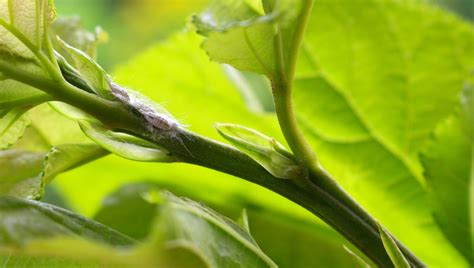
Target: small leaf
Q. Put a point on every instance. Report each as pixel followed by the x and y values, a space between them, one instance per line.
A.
pixel 125 145
pixel 72 75
pixel 358 259
pixel 243 221
pixel 397 257
pixel 12 126
pixel 91 72
pixel 243 28
pixel 265 150
pixel 25 174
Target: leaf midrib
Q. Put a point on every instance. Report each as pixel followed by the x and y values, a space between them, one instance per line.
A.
pixel 407 162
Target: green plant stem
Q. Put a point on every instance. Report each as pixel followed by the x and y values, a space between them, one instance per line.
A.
pixel 361 231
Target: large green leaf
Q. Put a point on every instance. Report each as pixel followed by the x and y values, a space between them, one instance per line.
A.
pixel 368 93
pixel 315 247
pixel 185 234
pixel 449 167
pixel 22 32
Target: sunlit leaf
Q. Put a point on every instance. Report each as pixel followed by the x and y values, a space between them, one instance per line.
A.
pixel 125 145
pixel 90 71
pixel 22 32
pixel 25 174
pixel 449 165
pixel 14 94
pixel 265 150
pixel 241 33
pixel 368 93
pixel 392 249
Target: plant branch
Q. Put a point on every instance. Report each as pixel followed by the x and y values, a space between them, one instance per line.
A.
pixel 194 149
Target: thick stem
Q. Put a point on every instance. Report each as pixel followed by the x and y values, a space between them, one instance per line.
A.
pixel 359 229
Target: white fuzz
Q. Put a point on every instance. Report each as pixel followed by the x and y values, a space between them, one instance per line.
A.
pixel 152 113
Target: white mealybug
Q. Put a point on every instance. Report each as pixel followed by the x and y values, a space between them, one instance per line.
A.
pixel 154 114
pixel 159 121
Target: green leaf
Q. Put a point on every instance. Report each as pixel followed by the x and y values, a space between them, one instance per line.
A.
pixel 392 249
pixel 265 150
pixel 255 89
pixel 24 173
pixel 96 78
pixel 203 231
pixel 71 112
pixel 22 221
pixel 125 145
pixel 367 96
pixel 55 128
pixel 449 165
pixel 68 156
pixel 22 32
pixel 130 200
pixel 20 174
pixel 247 29
pixel 73 32
pixel 12 126
pixel 200 226
pixel 358 259
pixel 315 247
pixel 14 94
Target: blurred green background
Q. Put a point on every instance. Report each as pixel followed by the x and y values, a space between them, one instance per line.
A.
pixel 134 25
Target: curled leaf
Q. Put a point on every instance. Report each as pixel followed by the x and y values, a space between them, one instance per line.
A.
pixel 124 145
pixel 91 72
pixel 265 150
pixel 397 257
pixel 71 111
